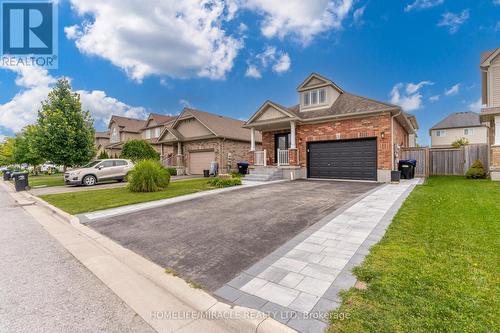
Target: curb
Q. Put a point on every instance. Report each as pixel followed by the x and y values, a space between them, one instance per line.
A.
pixel 141 284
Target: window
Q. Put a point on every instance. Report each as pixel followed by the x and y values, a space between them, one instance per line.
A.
pixel 314 97
pixel 468 131
pixel 114 135
pixel 147 134
pixel 440 133
pixel 120 163
pixel 157 132
pixel 107 164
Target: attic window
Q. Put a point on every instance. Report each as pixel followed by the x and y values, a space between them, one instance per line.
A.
pixel 314 97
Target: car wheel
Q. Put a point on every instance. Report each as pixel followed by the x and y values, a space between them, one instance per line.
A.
pixel 120 180
pixel 89 180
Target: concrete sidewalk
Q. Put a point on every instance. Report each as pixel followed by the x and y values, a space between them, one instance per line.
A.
pixel 165 302
pixel 303 277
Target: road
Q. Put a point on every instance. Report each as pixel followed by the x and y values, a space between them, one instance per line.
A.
pixel 43 288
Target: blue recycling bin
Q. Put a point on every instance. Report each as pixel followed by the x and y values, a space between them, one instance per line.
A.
pixel 243 168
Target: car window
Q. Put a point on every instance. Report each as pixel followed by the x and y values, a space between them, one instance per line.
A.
pixel 107 164
pixel 121 163
pixel 90 165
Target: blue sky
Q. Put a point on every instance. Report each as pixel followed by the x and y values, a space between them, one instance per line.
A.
pixel 228 57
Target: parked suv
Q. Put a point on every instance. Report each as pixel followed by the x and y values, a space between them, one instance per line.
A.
pixel 97 171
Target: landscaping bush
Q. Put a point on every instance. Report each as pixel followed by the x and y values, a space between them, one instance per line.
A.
pixel 172 171
pixel 476 171
pixel 224 182
pixel 460 143
pixel 137 150
pixel 148 176
pixel 103 155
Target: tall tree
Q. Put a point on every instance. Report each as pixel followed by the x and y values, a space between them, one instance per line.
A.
pixel 66 133
pixel 6 150
pixel 25 148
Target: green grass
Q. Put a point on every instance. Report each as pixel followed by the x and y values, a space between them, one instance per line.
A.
pixel 45 180
pixel 437 268
pixel 89 201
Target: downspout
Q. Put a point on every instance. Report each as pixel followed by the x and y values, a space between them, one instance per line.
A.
pixel 392 138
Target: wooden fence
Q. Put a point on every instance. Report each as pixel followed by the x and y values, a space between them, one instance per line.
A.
pixel 453 161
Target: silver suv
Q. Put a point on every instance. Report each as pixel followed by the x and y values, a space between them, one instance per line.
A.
pixel 97 171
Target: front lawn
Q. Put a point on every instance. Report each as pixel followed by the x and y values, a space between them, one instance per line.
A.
pixel 47 181
pixel 437 268
pixel 88 201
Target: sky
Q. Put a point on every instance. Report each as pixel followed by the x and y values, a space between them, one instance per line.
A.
pixel 130 57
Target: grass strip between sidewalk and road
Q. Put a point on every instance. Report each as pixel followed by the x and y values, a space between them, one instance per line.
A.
pixel 437 269
pixel 90 201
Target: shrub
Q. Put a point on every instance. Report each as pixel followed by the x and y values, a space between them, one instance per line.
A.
pixel 476 171
pixel 460 142
pixel 172 171
pixel 103 155
pixel 148 176
pixel 137 150
pixel 224 182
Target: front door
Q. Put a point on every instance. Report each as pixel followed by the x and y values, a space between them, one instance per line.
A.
pixel 281 141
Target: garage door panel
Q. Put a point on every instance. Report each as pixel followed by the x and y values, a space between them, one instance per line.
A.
pixel 199 161
pixel 356 159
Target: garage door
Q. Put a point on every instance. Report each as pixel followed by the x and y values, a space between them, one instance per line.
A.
pixel 353 159
pixel 200 161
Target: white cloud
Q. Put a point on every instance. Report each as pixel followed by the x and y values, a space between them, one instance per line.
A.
pixel 283 64
pixel 300 19
pixel 253 72
pixel 423 4
pixel 476 106
pixel 434 98
pixel 357 16
pixel 2 138
pixel 35 84
pixel 409 97
pixel 496 2
pixel 279 61
pixel 158 37
pixel 185 103
pixel 453 90
pixel 453 21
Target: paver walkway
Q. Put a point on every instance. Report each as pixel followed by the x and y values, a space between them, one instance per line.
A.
pixel 299 282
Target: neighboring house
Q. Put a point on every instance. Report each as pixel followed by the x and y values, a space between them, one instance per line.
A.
pixel 196 138
pixel 458 125
pixel 330 134
pixel 490 112
pixel 153 127
pixel 122 129
pixel 101 141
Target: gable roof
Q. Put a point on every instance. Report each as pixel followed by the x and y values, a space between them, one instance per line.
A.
pixel 321 78
pixel 128 124
pixel 488 56
pixel 104 135
pixel 458 120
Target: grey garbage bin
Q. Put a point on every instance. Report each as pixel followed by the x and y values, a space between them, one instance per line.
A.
pixel 21 181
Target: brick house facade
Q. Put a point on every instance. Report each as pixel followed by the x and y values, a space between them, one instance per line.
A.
pixel 347 118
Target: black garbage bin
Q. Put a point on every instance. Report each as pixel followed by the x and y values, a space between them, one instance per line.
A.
pixel 242 168
pixel 206 173
pixel 6 175
pixel 407 168
pixel 21 181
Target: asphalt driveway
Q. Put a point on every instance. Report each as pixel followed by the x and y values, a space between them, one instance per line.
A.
pixel 210 240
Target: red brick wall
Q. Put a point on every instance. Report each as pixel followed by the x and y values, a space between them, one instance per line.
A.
pixel 268 143
pixel 400 138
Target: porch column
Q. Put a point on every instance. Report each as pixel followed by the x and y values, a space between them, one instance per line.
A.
pixel 179 154
pixel 252 139
pixel 497 131
pixel 292 135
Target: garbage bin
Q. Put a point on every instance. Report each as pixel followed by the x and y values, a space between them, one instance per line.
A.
pixel 242 168
pixel 21 181
pixel 6 175
pixel 407 168
pixel 206 173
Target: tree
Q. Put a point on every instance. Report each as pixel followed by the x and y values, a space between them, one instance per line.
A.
pixel 6 151
pixel 103 155
pixel 476 171
pixel 460 143
pixel 137 150
pixel 66 133
pixel 25 148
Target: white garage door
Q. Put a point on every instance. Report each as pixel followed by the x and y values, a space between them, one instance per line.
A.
pixel 200 161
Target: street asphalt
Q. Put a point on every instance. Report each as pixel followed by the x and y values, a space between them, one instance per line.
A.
pixel 210 240
pixel 43 288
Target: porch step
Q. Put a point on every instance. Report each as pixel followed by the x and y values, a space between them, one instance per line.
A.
pixel 264 174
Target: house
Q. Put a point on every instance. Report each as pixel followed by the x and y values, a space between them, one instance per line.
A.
pixel 196 138
pixel 490 111
pixel 330 134
pixel 122 129
pixel 153 127
pixel 456 126
pixel 101 141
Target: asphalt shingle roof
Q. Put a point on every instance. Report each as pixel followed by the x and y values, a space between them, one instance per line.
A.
pixel 459 119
